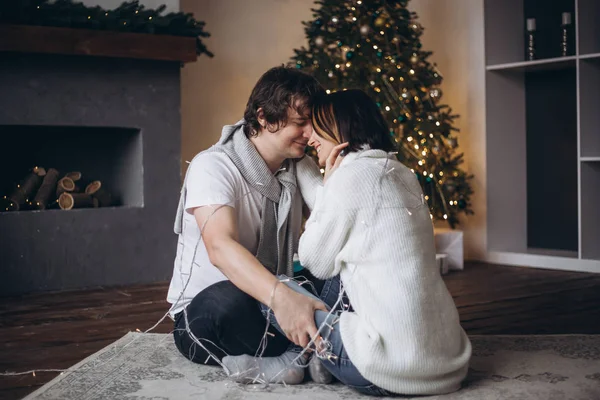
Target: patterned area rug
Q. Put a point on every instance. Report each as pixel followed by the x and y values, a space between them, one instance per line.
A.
pixel 149 367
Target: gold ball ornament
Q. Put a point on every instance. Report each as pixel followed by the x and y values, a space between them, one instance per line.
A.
pixel 380 21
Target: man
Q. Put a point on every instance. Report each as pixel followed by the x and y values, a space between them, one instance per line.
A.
pixel 239 222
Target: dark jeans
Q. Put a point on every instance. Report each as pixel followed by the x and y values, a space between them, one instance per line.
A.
pixel 338 363
pixel 227 321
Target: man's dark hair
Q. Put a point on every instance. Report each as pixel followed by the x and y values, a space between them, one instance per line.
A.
pixel 351 116
pixel 277 90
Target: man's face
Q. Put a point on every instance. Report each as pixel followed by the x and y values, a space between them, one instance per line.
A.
pixel 291 140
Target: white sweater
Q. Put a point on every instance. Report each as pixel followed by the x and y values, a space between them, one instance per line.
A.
pixel 371 224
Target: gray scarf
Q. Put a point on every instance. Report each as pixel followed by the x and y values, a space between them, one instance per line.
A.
pixel 281 220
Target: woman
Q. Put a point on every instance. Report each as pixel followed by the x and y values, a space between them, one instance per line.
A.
pixel 371 226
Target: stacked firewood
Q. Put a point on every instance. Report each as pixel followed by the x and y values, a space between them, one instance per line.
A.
pixel 45 189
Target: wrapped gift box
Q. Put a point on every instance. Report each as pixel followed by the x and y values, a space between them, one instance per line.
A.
pixel 450 242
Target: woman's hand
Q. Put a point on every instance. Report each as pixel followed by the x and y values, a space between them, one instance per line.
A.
pixel 334 160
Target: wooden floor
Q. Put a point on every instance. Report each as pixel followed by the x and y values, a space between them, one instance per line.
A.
pixel 56 330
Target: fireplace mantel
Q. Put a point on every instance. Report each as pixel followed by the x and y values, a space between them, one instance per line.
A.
pixel 53 40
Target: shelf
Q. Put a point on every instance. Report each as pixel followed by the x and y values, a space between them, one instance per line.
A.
pixel 52 40
pixel 528 259
pixel 589 30
pixel 543 135
pixel 589 56
pixel 589 98
pixel 590 212
pixel 536 65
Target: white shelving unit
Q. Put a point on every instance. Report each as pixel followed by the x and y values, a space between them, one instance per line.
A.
pixel 543 136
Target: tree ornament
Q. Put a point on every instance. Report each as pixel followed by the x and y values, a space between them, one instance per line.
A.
pixel 349 55
pixel 379 53
pixel 417 27
pixel 462 204
pixel 319 41
pixel 434 93
pixel 379 21
pixel 414 59
pixel 365 29
pixel 450 185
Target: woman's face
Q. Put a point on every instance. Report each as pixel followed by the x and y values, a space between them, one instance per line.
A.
pixel 322 146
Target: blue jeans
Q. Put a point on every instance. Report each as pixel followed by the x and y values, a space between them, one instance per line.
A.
pixel 336 359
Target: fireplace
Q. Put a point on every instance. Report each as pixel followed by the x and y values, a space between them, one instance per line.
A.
pixel 111 156
pixel 115 120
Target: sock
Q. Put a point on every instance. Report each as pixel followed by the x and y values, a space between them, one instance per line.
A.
pixel 318 372
pixel 247 369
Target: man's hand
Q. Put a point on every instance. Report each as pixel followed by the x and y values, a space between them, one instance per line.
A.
pixel 334 160
pixel 295 314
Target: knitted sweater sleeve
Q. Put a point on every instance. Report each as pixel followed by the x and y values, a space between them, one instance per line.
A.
pixel 326 233
pixel 309 179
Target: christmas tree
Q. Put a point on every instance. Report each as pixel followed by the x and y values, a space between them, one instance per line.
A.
pixel 375 46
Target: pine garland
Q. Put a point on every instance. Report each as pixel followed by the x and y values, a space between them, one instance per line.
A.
pixel 128 17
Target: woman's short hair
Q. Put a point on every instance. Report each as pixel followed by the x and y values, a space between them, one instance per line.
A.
pixel 351 116
pixel 276 91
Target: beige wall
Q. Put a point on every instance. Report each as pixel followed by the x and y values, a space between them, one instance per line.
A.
pixel 454 32
pixel 248 37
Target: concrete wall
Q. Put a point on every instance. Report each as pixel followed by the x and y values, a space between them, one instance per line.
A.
pixel 249 37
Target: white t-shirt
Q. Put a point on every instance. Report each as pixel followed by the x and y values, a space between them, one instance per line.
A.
pixel 212 179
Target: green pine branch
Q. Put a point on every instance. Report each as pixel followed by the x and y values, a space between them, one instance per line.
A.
pixel 130 16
